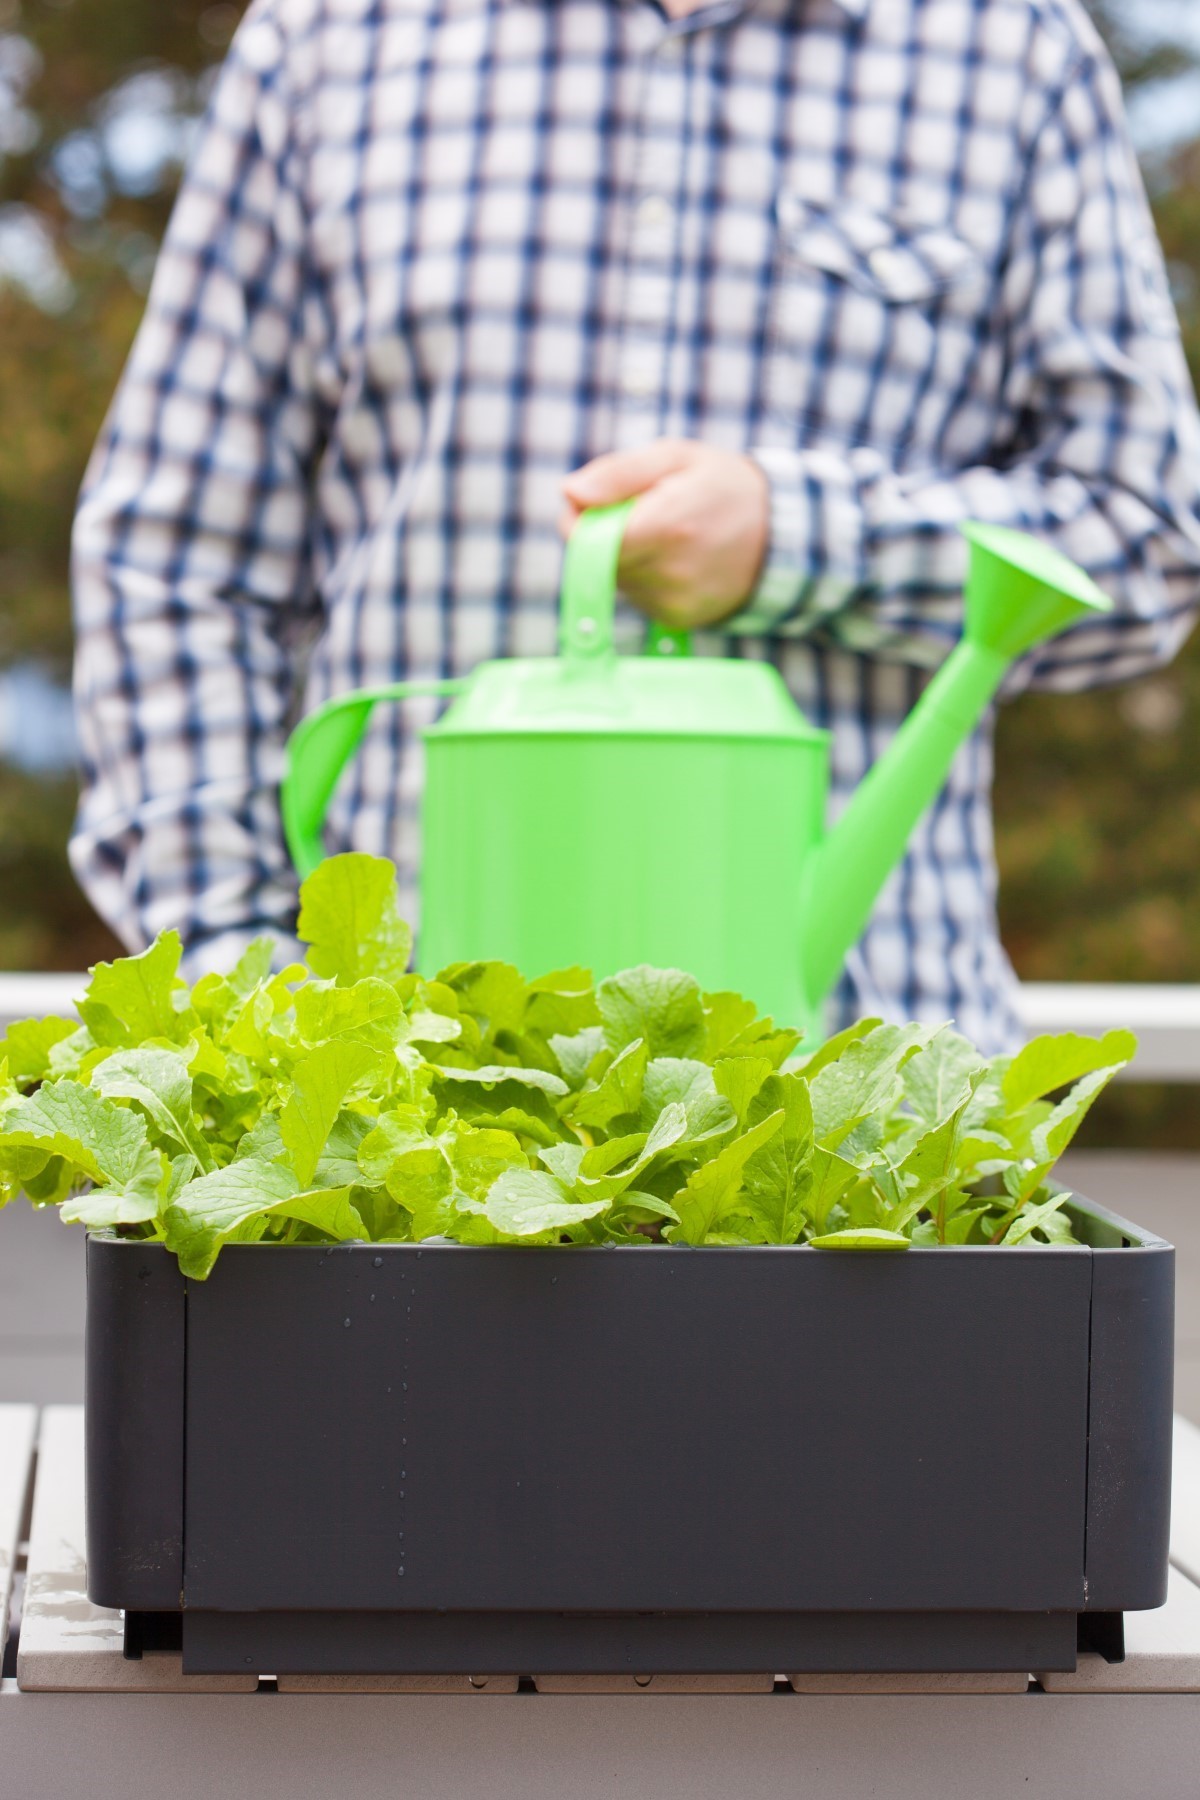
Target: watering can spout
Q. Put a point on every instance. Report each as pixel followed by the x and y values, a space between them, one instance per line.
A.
pixel 1019 593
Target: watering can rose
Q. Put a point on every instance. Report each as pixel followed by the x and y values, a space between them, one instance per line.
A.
pixel 347 1098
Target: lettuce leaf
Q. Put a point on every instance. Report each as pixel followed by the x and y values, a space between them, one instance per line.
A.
pixel 351 923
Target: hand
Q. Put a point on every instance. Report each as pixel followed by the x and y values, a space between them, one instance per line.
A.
pixel 695 541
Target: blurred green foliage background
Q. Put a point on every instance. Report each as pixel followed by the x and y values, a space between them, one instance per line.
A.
pixel 1098 796
pixel 96 101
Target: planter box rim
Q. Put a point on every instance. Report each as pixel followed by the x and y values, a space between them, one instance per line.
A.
pixel 1132 1237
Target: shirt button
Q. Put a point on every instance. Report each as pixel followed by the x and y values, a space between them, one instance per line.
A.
pixel 653 213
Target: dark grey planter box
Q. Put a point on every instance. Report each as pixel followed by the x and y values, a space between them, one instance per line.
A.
pixel 436 1459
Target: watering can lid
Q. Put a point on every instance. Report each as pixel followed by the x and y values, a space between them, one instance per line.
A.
pixel 631 696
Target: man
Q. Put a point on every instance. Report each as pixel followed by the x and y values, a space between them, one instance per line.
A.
pixel 816 279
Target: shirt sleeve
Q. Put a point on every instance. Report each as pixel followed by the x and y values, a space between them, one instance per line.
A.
pixel 190 577
pixel 1101 450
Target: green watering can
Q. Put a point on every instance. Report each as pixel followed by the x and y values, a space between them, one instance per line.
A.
pixel 611 810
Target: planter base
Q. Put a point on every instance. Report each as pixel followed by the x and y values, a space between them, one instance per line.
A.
pixel 69 1645
pixel 446 1643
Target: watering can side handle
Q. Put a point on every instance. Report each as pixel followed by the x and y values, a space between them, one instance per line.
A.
pixel 317 752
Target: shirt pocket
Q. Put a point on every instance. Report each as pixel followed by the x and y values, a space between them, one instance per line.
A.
pixel 869 320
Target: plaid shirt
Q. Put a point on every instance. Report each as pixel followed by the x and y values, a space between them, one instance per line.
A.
pixel 431 254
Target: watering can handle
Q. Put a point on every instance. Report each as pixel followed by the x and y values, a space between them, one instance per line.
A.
pixel 589 590
pixel 317 752
pixel 323 743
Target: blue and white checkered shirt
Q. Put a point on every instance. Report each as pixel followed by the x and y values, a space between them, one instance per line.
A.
pixel 432 254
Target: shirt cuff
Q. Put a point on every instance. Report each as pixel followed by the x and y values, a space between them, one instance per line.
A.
pixel 816 552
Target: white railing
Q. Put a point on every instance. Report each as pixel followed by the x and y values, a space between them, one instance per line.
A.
pixel 35 996
pixel 1166 1019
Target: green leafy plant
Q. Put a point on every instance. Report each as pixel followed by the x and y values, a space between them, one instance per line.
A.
pixel 347 1098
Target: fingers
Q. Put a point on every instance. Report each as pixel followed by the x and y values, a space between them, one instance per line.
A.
pixel 623 473
pixel 641 543
pixel 694 541
pixel 659 526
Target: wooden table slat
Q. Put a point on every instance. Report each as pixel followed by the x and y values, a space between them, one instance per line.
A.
pixel 654 1684
pixel 397 1684
pixel 18 1425
pixel 67 1644
pixel 960 1681
pixel 1185 1499
pixel 779 1746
